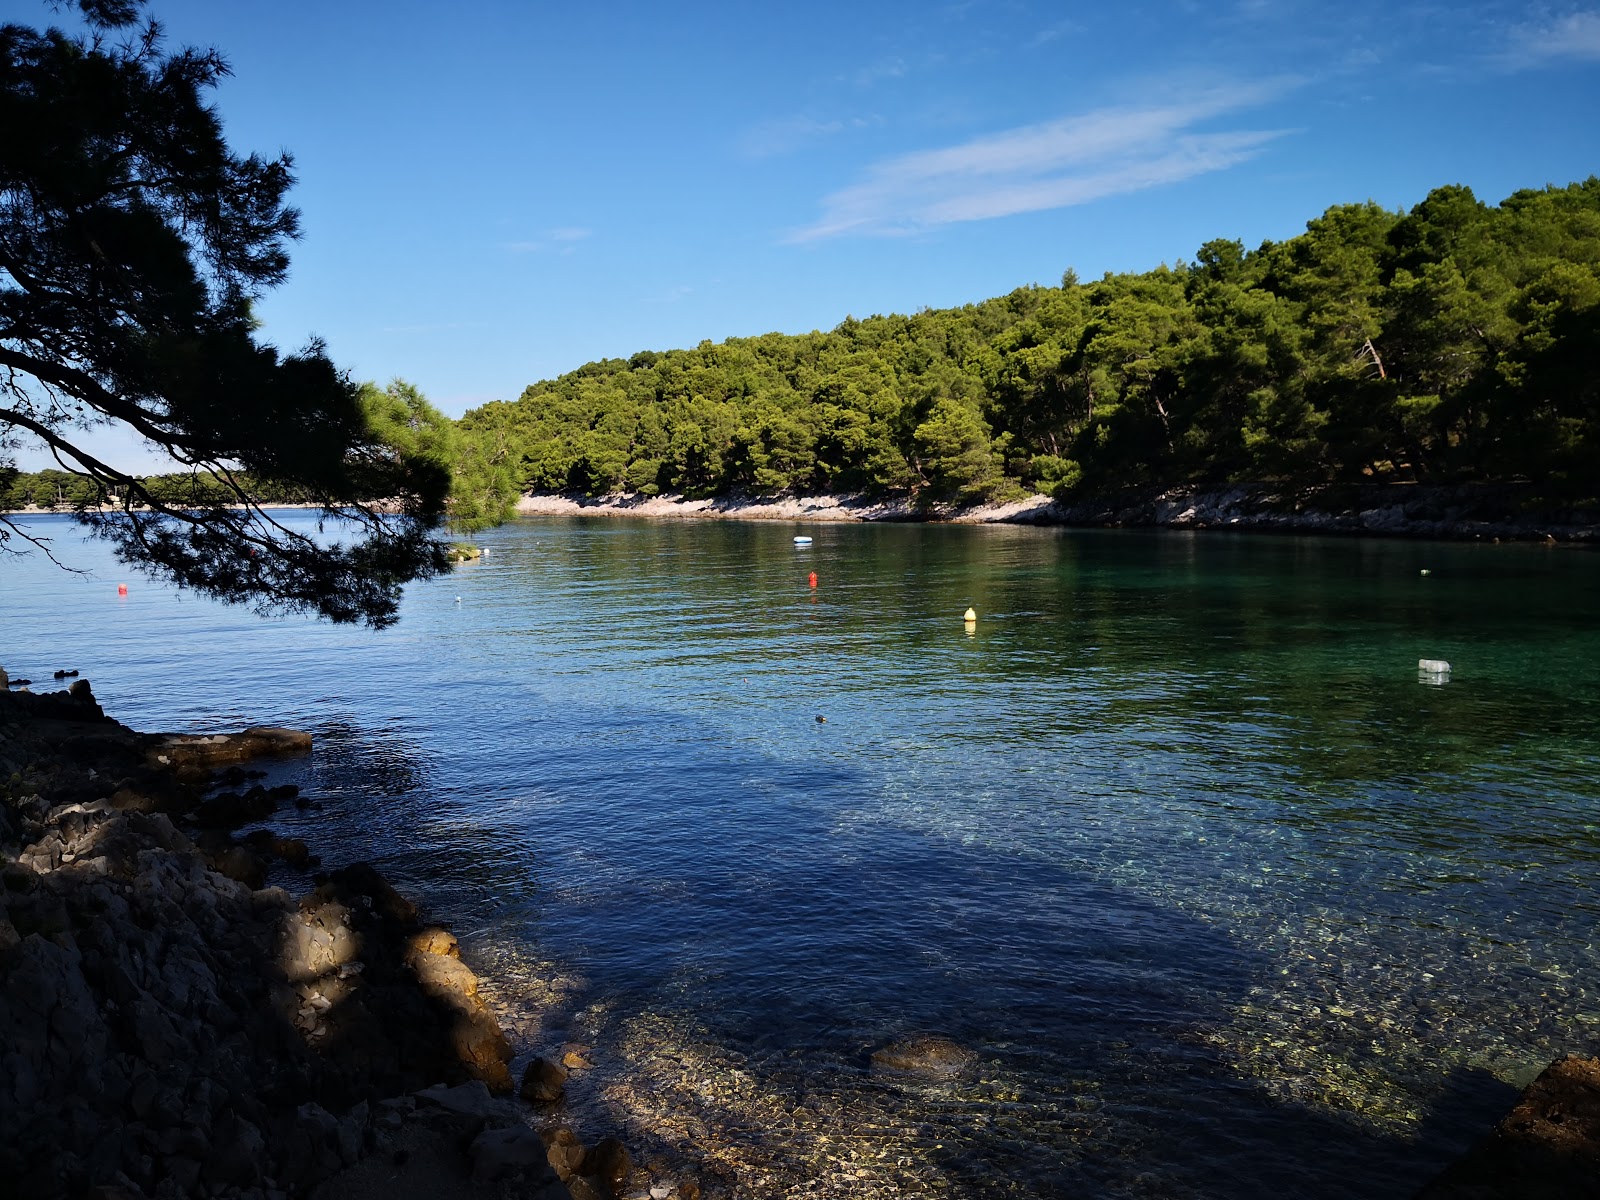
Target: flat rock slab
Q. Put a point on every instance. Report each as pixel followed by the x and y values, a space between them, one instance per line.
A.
pixel 220 749
pixel 1546 1148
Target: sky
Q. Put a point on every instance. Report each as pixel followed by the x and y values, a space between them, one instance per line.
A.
pixel 500 192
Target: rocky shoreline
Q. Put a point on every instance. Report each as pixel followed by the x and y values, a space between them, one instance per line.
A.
pixel 1466 512
pixel 170 1026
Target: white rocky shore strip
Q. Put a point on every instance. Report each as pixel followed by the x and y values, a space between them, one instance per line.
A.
pixel 1464 513
pixel 171 1027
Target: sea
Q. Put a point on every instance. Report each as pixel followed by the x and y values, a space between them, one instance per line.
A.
pixel 1223 896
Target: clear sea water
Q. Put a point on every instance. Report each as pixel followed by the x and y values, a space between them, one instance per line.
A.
pixel 1227 900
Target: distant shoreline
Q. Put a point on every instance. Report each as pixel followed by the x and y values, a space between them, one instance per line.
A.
pixel 33 510
pixel 1468 512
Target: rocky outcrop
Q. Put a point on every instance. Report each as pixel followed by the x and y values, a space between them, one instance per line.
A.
pixel 1468 512
pixel 170 1027
pixel 221 749
pixel 1546 1148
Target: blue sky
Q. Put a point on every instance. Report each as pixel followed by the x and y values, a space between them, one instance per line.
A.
pixel 501 192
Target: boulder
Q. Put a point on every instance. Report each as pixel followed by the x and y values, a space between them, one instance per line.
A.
pixel 608 1159
pixel 543 1082
pixel 499 1153
pixel 564 1151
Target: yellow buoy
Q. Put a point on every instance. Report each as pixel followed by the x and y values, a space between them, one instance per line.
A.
pixel 971 615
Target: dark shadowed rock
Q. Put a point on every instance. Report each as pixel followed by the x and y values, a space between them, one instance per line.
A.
pixel 233 809
pixel 543 1082
pixel 1546 1148
pixel 498 1153
pixel 607 1159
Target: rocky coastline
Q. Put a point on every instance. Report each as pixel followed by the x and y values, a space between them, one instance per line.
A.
pixel 171 1026
pixel 1465 512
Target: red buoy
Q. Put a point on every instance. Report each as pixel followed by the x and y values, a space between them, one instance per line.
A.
pixel 122 589
pixel 813 579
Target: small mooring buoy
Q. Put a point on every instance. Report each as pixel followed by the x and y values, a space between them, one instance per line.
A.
pixel 122 589
pixel 1424 571
pixel 812 579
pixel 970 616
pixel 821 720
pixel 1433 670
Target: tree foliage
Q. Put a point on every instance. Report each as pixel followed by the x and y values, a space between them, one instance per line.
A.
pixel 133 242
pixel 1456 341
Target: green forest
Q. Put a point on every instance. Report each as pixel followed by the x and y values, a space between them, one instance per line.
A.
pixel 1456 342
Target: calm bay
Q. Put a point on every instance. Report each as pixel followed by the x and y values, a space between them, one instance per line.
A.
pixel 1226 899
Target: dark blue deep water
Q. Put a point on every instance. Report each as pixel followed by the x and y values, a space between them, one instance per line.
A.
pixel 1227 900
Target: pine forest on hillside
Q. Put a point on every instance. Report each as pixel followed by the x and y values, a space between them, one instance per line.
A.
pixel 1457 342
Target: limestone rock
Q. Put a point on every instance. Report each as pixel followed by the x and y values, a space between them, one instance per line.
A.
pixel 564 1151
pixel 220 749
pixel 434 940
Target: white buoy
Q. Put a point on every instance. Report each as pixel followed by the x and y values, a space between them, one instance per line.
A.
pixel 1433 670
pixel 802 540
pixel 970 616
pixel 1424 571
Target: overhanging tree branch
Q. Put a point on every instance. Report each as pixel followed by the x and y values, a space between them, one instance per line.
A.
pixel 132 242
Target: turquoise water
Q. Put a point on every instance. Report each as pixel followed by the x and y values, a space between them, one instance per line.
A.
pixel 1228 901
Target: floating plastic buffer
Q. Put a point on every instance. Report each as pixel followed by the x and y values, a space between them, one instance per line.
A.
pixel 1433 670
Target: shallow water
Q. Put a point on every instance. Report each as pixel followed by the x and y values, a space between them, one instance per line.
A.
pixel 1227 899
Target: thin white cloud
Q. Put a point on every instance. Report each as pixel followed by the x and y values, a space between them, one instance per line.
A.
pixel 1052 165
pixel 878 72
pixel 786 135
pixel 563 239
pixel 1051 33
pixel 1574 37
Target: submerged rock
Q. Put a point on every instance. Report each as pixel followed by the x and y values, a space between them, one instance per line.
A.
pixel 927 1054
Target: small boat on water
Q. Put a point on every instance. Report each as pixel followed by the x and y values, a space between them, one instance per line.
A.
pixel 802 540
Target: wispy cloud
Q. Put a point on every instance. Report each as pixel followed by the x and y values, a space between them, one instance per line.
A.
pixel 1059 163
pixel 671 296
pixel 880 71
pixel 1052 32
pixel 788 134
pixel 1575 37
pixel 564 240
